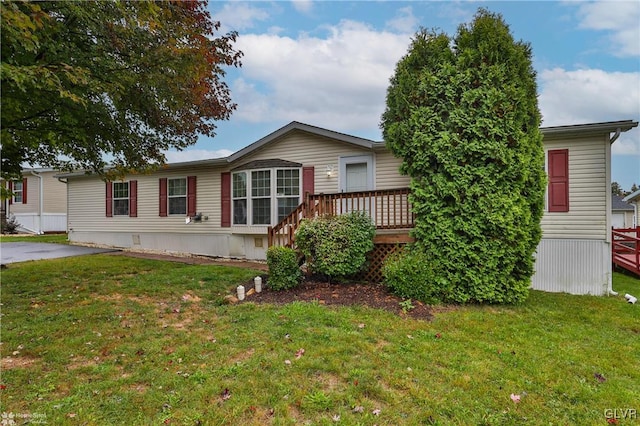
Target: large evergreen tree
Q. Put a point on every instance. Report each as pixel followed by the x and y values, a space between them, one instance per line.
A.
pixel 463 115
pixel 122 81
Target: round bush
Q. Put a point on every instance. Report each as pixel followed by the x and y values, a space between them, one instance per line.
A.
pixel 410 275
pixel 284 272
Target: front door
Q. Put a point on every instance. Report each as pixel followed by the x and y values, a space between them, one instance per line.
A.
pixel 356 175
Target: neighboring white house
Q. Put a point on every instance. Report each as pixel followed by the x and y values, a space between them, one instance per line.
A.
pixel 39 201
pixel 622 213
pixel 634 200
pixel 234 200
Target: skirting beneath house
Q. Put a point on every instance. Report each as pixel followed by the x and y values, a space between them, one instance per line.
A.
pixel 573 266
pixel 251 247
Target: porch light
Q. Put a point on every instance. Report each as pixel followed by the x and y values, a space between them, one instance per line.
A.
pixel 329 170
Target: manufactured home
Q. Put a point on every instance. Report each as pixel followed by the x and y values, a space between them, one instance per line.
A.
pixel 38 201
pixel 236 206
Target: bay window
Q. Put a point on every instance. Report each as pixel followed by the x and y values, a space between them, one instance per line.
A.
pixel 265 196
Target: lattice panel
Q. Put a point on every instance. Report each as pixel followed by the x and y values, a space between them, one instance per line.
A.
pixel 376 257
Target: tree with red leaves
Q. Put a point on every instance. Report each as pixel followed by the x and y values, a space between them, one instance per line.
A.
pixel 86 85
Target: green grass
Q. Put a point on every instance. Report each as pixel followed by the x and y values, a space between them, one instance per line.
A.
pixel 102 339
pixel 46 238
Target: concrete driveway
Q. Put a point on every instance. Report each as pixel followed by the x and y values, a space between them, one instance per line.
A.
pixel 23 251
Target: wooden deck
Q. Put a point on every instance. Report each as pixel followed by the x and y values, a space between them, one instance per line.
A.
pixel 389 210
pixel 625 249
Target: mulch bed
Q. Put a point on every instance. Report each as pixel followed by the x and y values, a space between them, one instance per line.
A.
pixel 342 294
pixel 311 289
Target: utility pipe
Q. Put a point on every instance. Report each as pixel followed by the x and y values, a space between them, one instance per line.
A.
pixel 615 136
pixel 40 201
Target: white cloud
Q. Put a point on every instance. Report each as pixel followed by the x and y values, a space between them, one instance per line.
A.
pixel 591 96
pixel 339 81
pixel 627 144
pixel 303 6
pixel 620 18
pixel 195 154
pixel 404 21
pixel 239 16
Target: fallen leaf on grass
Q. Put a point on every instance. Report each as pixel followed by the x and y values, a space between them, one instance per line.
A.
pixel 225 394
pixel 599 377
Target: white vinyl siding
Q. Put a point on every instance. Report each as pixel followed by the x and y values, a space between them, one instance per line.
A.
pixel 587 215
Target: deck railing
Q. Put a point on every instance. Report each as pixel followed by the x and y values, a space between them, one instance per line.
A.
pixel 388 208
pixel 625 248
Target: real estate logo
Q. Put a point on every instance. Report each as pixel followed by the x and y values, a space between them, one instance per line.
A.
pixel 621 413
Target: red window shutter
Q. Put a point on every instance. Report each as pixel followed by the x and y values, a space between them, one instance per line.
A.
pixel 225 203
pixel 308 180
pixel 109 199
pixel 191 195
pixel 24 191
pixel 133 198
pixel 10 186
pixel 163 197
pixel 558 171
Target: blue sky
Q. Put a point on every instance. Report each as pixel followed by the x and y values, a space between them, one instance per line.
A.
pixel 328 64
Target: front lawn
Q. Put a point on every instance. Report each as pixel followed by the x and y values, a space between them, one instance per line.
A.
pixel 104 339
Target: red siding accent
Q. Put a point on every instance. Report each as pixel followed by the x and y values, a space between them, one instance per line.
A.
pixel 191 195
pixel 109 199
pixel 225 203
pixel 24 191
pixel 308 180
pixel 10 187
pixel 163 197
pixel 133 198
pixel 558 171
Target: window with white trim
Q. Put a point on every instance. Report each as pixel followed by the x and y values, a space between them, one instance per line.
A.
pixel 177 196
pixel 287 191
pixel 121 198
pixel 265 196
pixel 17 191
pixel 239 196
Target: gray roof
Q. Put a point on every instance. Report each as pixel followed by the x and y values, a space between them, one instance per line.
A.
pixel 618 203
pixel 590 128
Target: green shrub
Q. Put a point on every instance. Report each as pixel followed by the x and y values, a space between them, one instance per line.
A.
pixel 336 246
pixel 284 272
pixel 462 113
pixel 410 275
pixel 10 225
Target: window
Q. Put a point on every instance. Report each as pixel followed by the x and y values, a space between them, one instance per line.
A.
pixel 264 197
pixel 17 191
pixel 177 196
pixel 261 197
pixel 121 198
pixel 239 193
pixel 287 191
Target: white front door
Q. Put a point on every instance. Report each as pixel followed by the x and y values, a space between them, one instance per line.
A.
pixel 356 174
pixel 356 177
